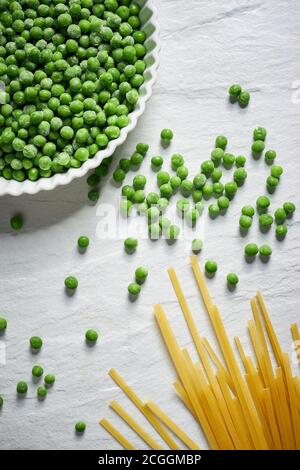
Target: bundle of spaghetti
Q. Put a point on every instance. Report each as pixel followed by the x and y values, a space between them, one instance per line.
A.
pixel 256 406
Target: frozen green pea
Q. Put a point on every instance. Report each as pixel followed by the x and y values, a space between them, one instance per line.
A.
pixel 280 215
pixel 234 91
pixel 36 343
pixel 177 160
pixel 153 214
pixel 262 203
pixel 218 188
pixel 37 371
pixel 91 336
pixel 141 274
pixel 221 142
pixel 49 379
pixel 259 133
pixel 207 190
pixel 258 147
pixel 265 220
pixel 199 181
pixel 172 232
pixel 139 196
pixel 166 136
pixel 152 199
pixel 182 172
pixel 162 177
pixel 276 171
pixel 164 222
pixel 270 156
pixel 41 392
pixel 175 182
pixel 245 222
pixel 197 245
pixel 80 427
pixel 231 189
pixel 217 156
pixel 216 175
pixel 157 161
pixel 223 202
pixel 265 251
pixel 130 244
pixel 186 188
pixel 3 324
pixel 213 210
pixel 232 279
pixel 196 195
pixel 22 387
pixel 71 282
pixel 251 249
pixel 272 182
pixel 166 190
pixel 228 160
pixel 207 167
pixel 83 241
pixel 211 267
pixel 139 182
pixel 182 206
pixel 244 98
pixel 240 161
pixel 248 211
pixel 16 222
pixel 289 208
pixel 240 175
pixel 128 192
pixel 192 215
pixel 281 231
pixel 154 231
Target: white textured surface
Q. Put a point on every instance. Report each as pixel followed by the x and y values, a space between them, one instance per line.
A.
pixel 205 47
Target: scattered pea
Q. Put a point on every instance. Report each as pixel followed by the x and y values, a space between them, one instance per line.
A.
pixel 139 196
pixel 234 91
pixel 244 98
pixel 49 379
pixel 240 175
pixel 262 203
pixel 223 202
pixel 172 232
pixel 240 161
pixel 36 343
pixel 175 182
pixel 128 192
pixel 289 208
pixel 280 215
pixel 1 401
pixel 251 249
pixel 22 387
pixel 141 274
pixel 207 167
pixel 162 177
pixel 192 215
pixel 211 267
pixel 93 195
pixel 157 162
pixel 71 282
pixel 83 241
pixel 186 188
pixel 80 427
pixel 166 190
pixel 130 244
pixel 221 142
pixel 3 324
pixel 42 392
pixel 197 245
pixel 245 222
pixel 166 136
pixel 228 160
pixel 259 133
pixel 134 289
pixel 16 222
pixel 91 336
pixel 231 189
pixel 154 231
pixel 182 172
pixel 281 231
pixel 199 181
pixel 142 148
pixel 177 160
pixel 217 156
pixel 270 156
pixel 213 210
pixel 152 199
pixel 258 147
pixel 126 207
pixel 37 371
pixel 276 171
pixel 139 182
pixel 232 279
pixel 265 251
pixel 248 211
pixel 265 220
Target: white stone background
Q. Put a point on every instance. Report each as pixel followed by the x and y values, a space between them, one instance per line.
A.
pixel 206 46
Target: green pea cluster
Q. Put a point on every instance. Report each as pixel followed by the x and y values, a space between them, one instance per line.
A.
pixel 236 93
pixel 134 288
pixel 72 72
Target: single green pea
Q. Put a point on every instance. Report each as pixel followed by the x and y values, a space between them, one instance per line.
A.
pixel 217 156
pixel 228 160
pixel 232 279
pixel 259 133
pixel 280 215
pixel 197 195
pixel 172 232
pixel 164 222
pixel 3 324
pixel 1 401
pixel 37 371
pixel 192 215
pixel 262 203
pixel 276 171
pixel 83 241
pixel 166 190
pixel 270 156
pixel 251 249
pixel 240 175
pixel 213 210
pixel 157 161
pixel 244 98
pixel 265 251
pixel 49 379
pixel 231 189
pixel 128 192
pixel 163 177
pixel 36 343
pixel 16 222
pixel 142 208
pixel 281 231
pixel 152 199
pixel 80 427
pixel 177 160
pixel 71 282
pixel 130 244
pixel 186 188
pixel 289 208
pixel 136 160
pixel 272 182
pixel 119 175
pixel 94 195
pixel 166 136
pixel 199 206
pixel 258 147
pixel 91 336
pixel 207 190
pixel 182 172
pixel 142 148
pixel 245 222
pixel 216 175
pixel 218 188
pixel 249 211
pixel 22 387
pixel 134 289
pixel 93 180
pixel 154 231
pixel 221 142
pixel 223 202
pixel 175 182
pixel 139 196
pixel 211 267
pixel 41 392
pixel 265 220
pixel 197 245
pixel 234 91
pixel 207 167
pixel 240 161
pixel 141 274
pixel 199 181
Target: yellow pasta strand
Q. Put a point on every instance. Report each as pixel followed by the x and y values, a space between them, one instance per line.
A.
pixel 116 434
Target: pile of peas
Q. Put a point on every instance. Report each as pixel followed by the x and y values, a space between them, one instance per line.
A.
pixel 71 70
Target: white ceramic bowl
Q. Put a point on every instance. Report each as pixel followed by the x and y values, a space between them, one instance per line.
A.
pixel 150 26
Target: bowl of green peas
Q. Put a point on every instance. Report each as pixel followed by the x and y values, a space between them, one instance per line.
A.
pixel 75 76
